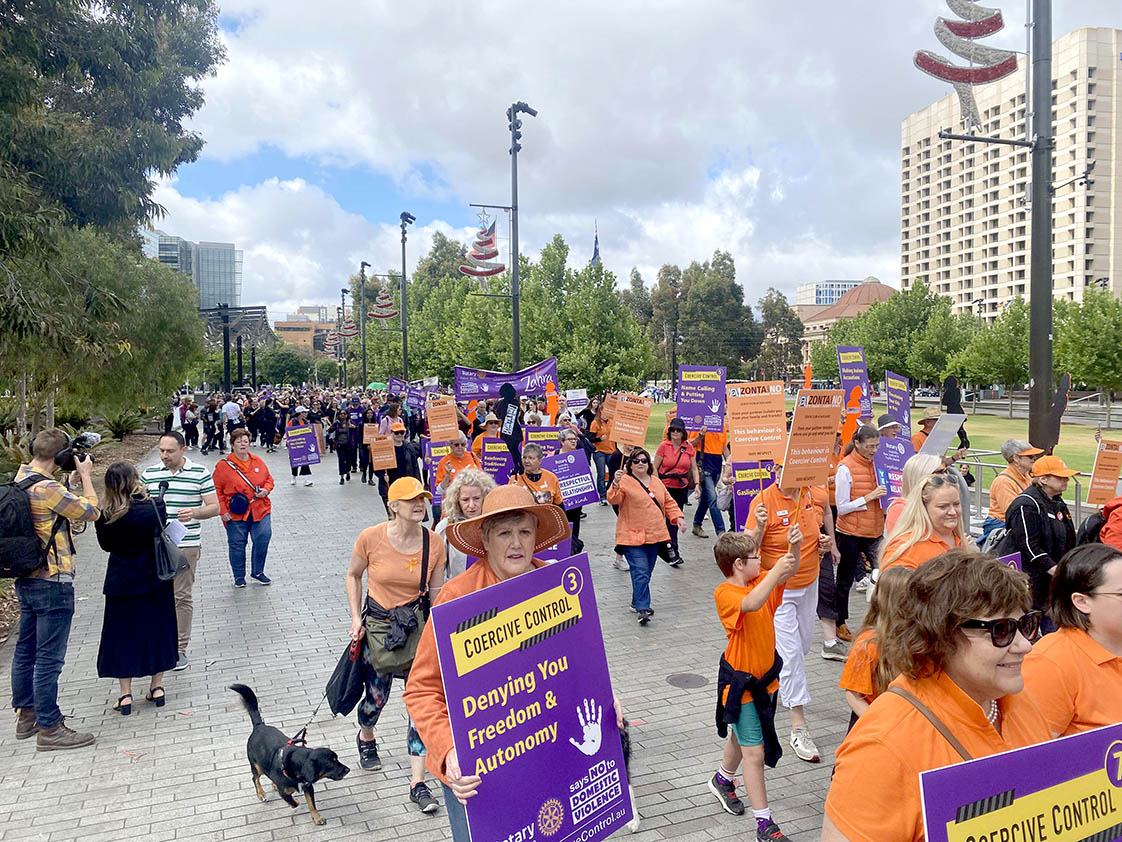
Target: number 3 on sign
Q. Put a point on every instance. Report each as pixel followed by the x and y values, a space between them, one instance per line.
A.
pixel 1114 763
pixel 572 581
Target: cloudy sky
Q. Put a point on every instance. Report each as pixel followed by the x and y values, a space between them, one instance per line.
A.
pixel 771 130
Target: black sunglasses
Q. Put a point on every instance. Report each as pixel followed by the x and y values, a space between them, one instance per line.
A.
pixel 640 462
pixel 939 479
pixel 1003 631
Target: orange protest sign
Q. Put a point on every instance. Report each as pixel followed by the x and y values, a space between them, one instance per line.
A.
pixel 806 460
pixel 757 422
pixel 632 416
pixel 1104 476
pixel 383 457
pixel 806 376
pixel 442 421
pixel 319 437
pixel 609 410
pixel 852 415
pixel 369 433
pixel 671 414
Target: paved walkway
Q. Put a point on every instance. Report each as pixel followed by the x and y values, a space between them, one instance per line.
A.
pixel 181 772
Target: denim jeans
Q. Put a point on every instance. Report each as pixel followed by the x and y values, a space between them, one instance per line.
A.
pixel 46 609
pixel 641 562
pixel 457 816
pixel 237 533
pixel 708 502
pixel 601 468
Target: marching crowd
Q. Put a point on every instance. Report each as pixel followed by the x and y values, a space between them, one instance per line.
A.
pixel 959 654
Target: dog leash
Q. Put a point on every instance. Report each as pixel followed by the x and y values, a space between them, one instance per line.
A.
pixel 300 738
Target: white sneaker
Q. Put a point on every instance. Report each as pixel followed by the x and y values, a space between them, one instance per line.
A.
pixel 621 563
pixel 293 481
pixel 862 585
pixel 835 651
pixel 307 482
pixel 803 745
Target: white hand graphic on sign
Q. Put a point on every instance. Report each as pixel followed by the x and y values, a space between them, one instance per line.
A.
pixel 715 407
pixel 590 719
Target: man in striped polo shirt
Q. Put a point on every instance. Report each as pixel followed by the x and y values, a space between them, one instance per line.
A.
pixel 190 497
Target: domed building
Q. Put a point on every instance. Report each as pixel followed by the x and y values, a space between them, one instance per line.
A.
pixel 853 303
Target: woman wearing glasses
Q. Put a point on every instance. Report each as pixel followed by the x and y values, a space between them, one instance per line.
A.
pixel 929 525
pixel 1075 675
pixel 957 650
pixel 644 507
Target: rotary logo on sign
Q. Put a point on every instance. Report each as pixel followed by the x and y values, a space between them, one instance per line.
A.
pixel 550 817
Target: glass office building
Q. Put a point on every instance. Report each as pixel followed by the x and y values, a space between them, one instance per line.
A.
pixel 214 268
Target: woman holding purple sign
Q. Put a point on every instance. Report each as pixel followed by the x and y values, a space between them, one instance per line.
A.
pixel 299 418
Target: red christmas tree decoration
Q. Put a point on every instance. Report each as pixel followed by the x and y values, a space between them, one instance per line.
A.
pixel 480 260
pixel 383 307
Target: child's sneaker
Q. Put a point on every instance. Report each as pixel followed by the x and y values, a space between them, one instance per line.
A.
pixel 862 585
pixel 803 744
pixel 770 832
pixel 726 794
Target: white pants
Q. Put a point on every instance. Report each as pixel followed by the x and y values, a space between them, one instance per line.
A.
pixel 794 634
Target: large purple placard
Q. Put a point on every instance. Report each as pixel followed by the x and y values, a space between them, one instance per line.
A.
pixel 302 447
pixel 432 454
pixel 397 386
pixel 701 397
pixel 898 398
pixel 544 437
pixel 889 461
pixel 530 706
pixel 475 384
pixel 853 372
pixel 749 479
pixel 415 397
pixel 497 460
pixel 1065 790
pixel 578 488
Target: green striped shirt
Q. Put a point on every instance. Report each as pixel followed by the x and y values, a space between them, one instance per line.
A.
pixel 185 491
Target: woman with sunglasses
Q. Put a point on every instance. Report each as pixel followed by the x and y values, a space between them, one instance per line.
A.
pixel 957 649
pixel 644 507
pixel 929 525
pixel 1075 675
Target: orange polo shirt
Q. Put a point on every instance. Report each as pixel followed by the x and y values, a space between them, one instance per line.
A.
pixel 751 634
pixel 603 429
pixel 918 439
pixel 714 443
pixel 893 742
pixel 917 554
pixel 449 465
pixel 546 490
pixel 1005 486
pixel 1075 680
pixel 782 511
pixel 857 674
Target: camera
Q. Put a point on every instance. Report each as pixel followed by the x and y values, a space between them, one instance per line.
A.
pixel 77 450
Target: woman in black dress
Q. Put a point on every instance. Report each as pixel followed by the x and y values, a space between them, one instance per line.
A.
pixel 139 635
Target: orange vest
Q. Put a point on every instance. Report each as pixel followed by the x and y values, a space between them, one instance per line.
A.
pixel 870 522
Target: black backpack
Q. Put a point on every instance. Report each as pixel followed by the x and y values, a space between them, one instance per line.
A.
pixel 1090 528
pixel 21 551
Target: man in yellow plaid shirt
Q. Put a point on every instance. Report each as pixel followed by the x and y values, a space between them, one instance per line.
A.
pixel 46 597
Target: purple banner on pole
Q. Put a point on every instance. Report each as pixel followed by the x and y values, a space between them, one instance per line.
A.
pixel 1066 789
pixel 701 397
pixel 889 461
pixel 476 384
pixel 852 372
pixel 749 479
pixel 530 707
pixel 302 447
pixel 899 399
pixel 545 437
pixel 432 454
pixel 497 460
pixel 397 386
pixel 578 488
pixel 415 397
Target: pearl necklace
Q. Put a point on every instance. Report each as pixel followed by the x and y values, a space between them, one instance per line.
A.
pixel 992 715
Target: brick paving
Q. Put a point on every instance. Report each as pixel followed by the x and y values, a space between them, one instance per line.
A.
pixel 181 772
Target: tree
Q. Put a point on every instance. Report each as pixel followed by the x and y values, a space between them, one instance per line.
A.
pixel 1088 342
pixel 284 364
pixel 782 330
pixel 824 355
pixel 666 303
pixel 637 299
pixel 716 326
pixel 943 336
pixel 998 353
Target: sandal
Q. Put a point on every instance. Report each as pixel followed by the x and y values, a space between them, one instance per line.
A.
pixel 122 707
pixel 151 696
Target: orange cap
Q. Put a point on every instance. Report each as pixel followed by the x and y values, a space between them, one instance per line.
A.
pixel 407 488
pixel 1051 466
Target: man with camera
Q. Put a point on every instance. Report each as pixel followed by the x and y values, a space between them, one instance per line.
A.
pixel 46 596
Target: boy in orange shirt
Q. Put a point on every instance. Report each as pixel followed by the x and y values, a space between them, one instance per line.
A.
pixel 748 676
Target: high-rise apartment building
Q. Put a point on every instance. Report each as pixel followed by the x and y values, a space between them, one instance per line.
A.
pixel 214 268
pixel 823 292
pixel 965 217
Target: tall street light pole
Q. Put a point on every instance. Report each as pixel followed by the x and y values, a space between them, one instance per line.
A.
pixel 406 219
pixel 515 135
pixel 343 342
pixel 362 315
pixel 1040 284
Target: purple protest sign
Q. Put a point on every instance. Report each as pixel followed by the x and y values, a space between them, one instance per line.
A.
pixel 889 461
pixel 475 384
pixel 1064 790
pixel 497 460
pixel 898 397
pixel 397 386
pixel 852 372
pixel 701 396
pixel 1012 560
pixel 415 397
pixel 302 447
pixel 749 479
pixel 562 549
pixel 578 488
pixel 530 707
pixel 544 437
pixel 432 454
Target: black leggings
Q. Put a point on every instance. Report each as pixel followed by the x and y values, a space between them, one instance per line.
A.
pixel 833 592
pixel 680 496
pixel 343 454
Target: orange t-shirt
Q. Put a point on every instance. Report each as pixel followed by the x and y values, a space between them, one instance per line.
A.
pixel 918 439
pixel 449 466
pixel 893 742
pixel 545 490
pixel 835 458
pixel 1004 489
pixel 857 674
pixel 917 554
pixel 1075 680
pixel 782 512
pixel 603 429
pixel 892 514
pixel 714 443
pixel 751 634
pixel 392 577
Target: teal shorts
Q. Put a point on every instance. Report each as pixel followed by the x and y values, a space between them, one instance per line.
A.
pixel 747 729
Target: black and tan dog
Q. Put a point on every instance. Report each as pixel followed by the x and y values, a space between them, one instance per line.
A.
pixel 289 767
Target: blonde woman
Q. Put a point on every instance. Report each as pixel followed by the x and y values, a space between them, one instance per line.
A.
pixel 915 469
pixel 139 635
pixel 463 500
pixel 930 524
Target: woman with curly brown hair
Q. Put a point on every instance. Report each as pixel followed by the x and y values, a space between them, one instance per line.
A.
pixel 957 650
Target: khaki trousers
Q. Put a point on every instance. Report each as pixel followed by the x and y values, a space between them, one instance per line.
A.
pixel 183 584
